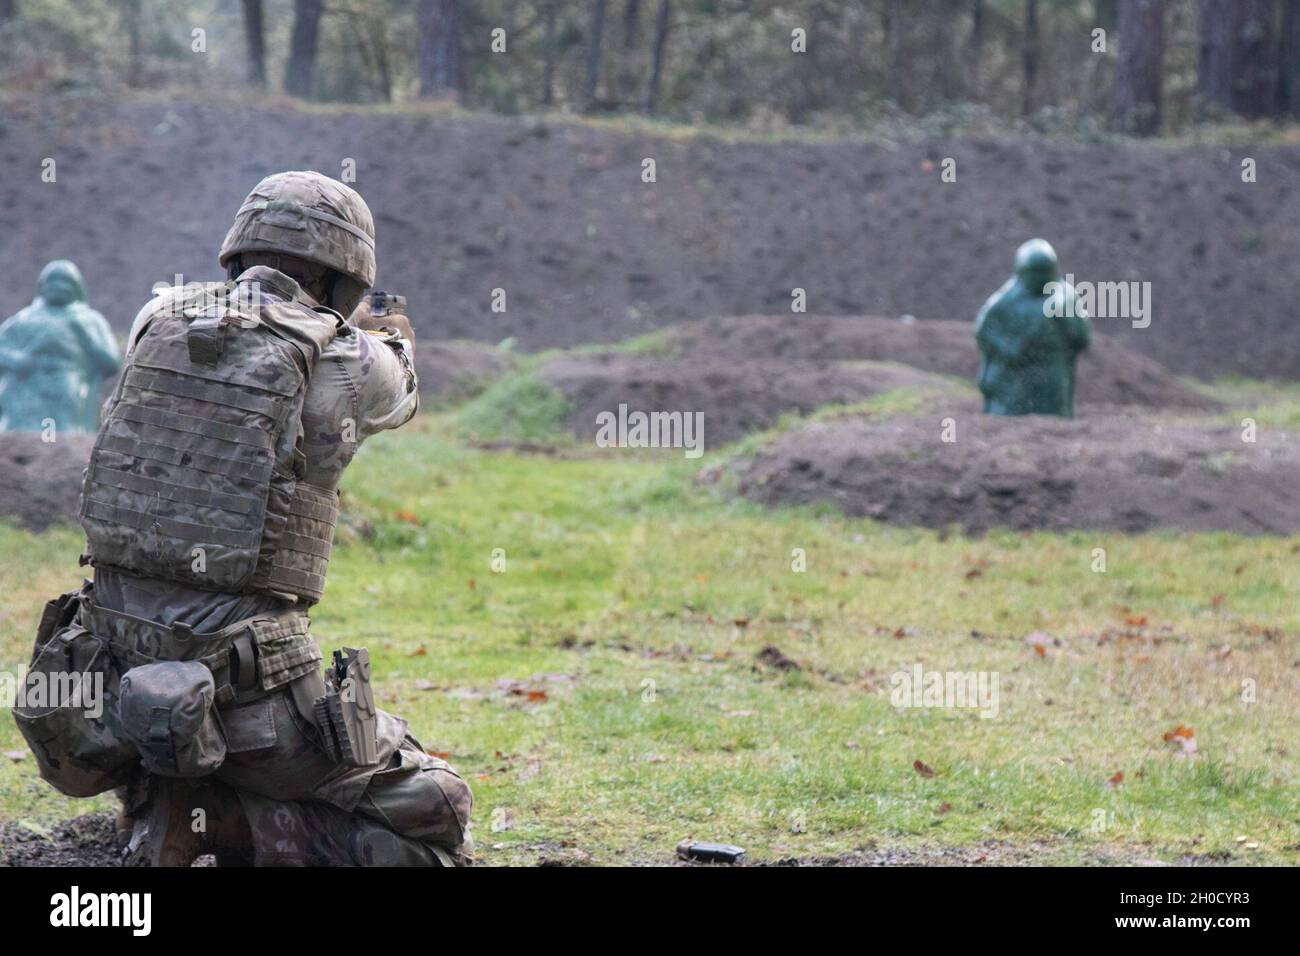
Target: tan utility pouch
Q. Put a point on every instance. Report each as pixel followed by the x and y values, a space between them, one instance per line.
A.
pixel 67 711
pixel 167 710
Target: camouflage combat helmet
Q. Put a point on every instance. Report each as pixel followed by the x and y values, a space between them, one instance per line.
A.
pixel 308 215
pixel 1036 264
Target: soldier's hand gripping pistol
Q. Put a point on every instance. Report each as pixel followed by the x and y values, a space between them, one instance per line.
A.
pixel 346 714
pixel 383 310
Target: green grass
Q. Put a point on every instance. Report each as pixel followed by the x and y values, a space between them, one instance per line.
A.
pixel 1272 404
pixel 634 602
pixel 518 407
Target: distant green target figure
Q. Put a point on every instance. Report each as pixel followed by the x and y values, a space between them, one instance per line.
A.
pixel 1030 333
pixel 54 355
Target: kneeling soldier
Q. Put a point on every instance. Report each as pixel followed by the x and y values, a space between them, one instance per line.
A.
pixel 209 506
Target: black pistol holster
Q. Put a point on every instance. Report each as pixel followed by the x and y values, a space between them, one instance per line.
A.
pixel 346 716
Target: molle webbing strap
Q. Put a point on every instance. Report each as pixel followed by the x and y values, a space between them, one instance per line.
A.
pixel 189 385
pixel 143 521
pixel 158 488
pixel 167 455
pixel 160 735
pixel 303 551
pixel 185 441
pixel 176 421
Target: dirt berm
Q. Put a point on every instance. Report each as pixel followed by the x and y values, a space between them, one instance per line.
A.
pixel 553 212
pixel 737 394
pixel 1109 372
pixel 1124 473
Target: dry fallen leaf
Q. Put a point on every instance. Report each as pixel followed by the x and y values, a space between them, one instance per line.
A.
pixel 1185 738
pixel 1039 639
pixel 922 769
pixel 440 754
pixel 1116 780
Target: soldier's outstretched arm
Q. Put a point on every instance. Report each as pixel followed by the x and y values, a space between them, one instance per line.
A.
pixel 376 371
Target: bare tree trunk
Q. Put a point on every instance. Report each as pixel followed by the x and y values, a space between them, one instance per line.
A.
pixel 627 68
pixel 377 30
pixel 662 23
pixel 302 47
pixel 975 50
pixel 1288 73
pixel 631 21
pixel 945 68
pixel 427 27
pixel 440 59
pixel 891 24
pixel 1030 56
pixel 594 51
pixel 255 39
pixel 548 67
pixel 131 18
pixel 1136 97
pixel 1214 62
pixel 1254 57
pixel 1105 14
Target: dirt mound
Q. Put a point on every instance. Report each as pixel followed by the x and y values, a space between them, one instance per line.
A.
pixel 40 482
pixel 1110 373
pixel 83 841
pixel 554 213
pixel 457 370
pixel 1122 473
pixel 737 396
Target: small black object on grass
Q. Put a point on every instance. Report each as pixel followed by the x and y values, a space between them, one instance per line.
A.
pixel 698 852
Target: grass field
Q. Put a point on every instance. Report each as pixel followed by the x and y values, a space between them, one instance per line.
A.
pixel 606 690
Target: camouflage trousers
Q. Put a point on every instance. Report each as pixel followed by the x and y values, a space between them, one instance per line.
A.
pixel 270 791
pixel 298 806
pixel 410 809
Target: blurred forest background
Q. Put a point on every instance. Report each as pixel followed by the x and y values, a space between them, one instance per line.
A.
pixel 1156 66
